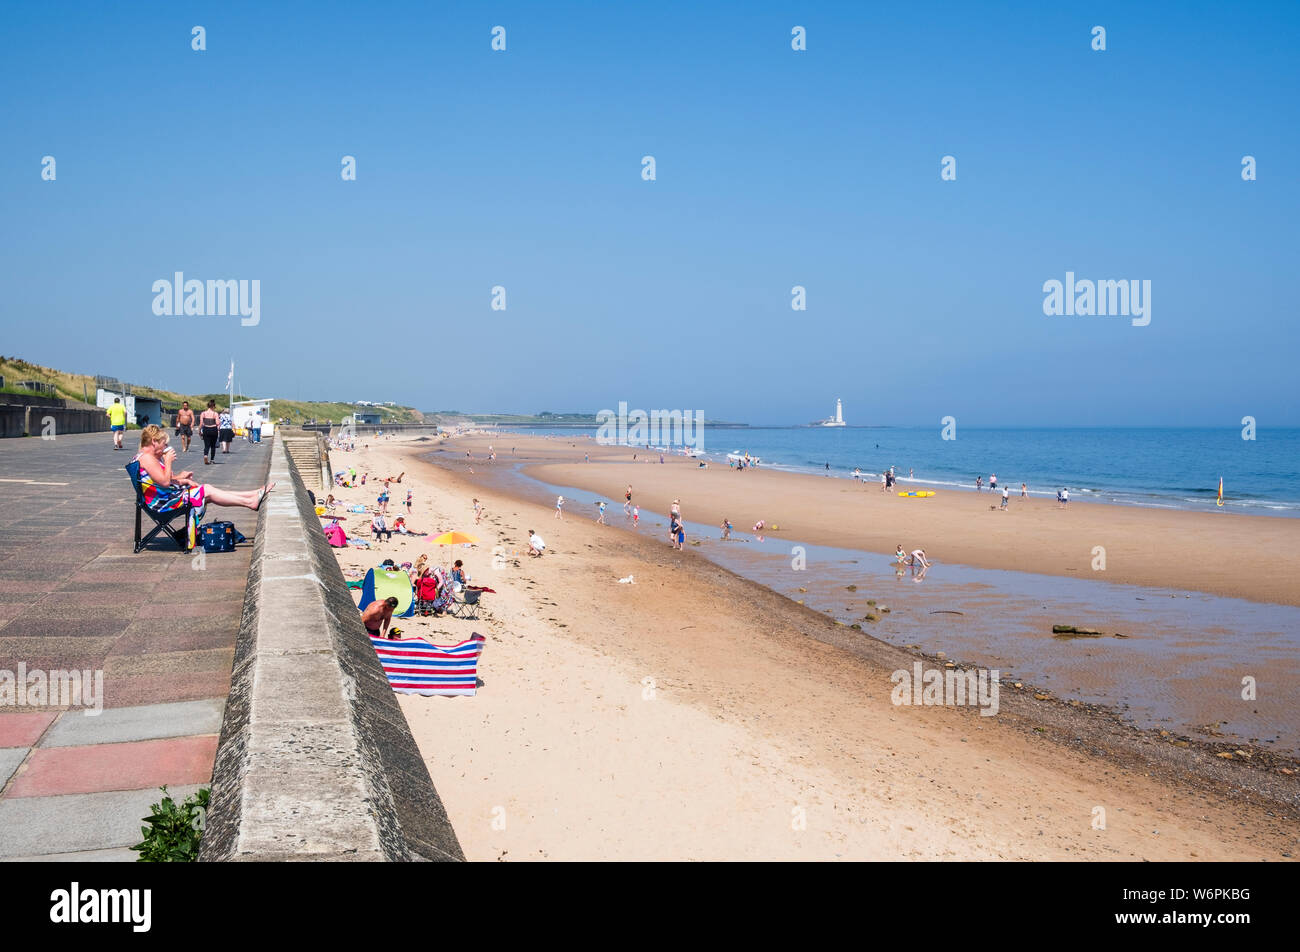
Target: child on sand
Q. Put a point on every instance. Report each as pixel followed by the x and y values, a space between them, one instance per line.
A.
pixel 726 528
pixel 409 500
pixel 636 516
pixel 677 533
pixel 478 511
pixel 601 517
pixel 559 508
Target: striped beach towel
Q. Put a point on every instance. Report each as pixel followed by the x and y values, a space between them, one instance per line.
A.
pixel 414 666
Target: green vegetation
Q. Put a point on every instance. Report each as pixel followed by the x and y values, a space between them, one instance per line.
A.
pixel 174 830
pixel 83 387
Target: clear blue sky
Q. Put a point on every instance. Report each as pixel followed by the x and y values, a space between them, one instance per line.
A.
pixel 775 168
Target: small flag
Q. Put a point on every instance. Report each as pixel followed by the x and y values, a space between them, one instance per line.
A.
pixel 1219 503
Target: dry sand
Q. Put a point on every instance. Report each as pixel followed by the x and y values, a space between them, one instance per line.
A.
pixel 696 715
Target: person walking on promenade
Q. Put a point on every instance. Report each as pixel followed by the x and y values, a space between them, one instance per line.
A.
pixel 209 429
pixel 225 430
pixel 185 425
pixel 117 421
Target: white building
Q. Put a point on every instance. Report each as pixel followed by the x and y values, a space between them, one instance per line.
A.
pixel 243 412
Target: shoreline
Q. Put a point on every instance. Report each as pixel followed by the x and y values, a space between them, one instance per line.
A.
pixel 1215 553
pixel 563 741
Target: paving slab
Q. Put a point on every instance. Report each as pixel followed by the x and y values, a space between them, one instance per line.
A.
pixel 58 771
pixel 144 722
pixel 34 826
pixel 10 758
pixel 124 855
pixel 24 729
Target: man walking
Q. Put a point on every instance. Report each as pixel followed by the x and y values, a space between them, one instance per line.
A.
pixel 185 425
pixel 117 421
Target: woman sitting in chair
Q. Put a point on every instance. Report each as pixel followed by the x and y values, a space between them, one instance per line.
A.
pixel 458 576
pixel 164 490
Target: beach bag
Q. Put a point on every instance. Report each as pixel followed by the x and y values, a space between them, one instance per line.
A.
pixel 219 537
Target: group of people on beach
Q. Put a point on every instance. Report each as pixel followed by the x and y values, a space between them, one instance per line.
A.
pixel 1062 495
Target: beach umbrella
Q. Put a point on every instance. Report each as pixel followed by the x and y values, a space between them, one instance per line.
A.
pixel 455 538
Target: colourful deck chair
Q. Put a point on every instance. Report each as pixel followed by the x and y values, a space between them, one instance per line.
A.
pixel 183 536
pixel 414 666
pixel 380 584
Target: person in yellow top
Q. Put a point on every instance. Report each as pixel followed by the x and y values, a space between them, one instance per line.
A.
pixel 117 421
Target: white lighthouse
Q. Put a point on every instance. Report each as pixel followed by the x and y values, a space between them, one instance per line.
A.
pixel 838 419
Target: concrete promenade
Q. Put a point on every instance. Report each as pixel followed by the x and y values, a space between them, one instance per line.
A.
pixel 159 625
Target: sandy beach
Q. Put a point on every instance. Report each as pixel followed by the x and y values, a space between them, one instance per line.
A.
pixel 693 714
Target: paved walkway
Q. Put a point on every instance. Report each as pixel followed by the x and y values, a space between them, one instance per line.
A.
pixel 159 626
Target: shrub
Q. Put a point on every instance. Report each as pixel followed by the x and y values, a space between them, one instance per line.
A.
pixel 174 831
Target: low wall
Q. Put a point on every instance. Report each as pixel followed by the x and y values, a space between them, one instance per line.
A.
pixel 316 760
pixel 370 429
pixel 28 416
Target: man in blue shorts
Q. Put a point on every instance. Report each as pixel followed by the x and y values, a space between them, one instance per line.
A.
pixel 117 421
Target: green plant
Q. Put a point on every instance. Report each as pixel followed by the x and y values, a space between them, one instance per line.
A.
pixel 174 831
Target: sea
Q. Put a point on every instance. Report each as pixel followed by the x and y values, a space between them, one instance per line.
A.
pixel 1158 467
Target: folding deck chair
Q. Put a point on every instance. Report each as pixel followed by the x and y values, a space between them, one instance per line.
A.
pixel 465 603
pixel 162 520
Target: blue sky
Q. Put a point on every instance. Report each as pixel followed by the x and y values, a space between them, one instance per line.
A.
pixel 775 168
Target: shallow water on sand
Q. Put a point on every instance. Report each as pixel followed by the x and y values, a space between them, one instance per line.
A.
pixel 1180 665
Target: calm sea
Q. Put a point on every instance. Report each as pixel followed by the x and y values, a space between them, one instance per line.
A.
pixel 1169 467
